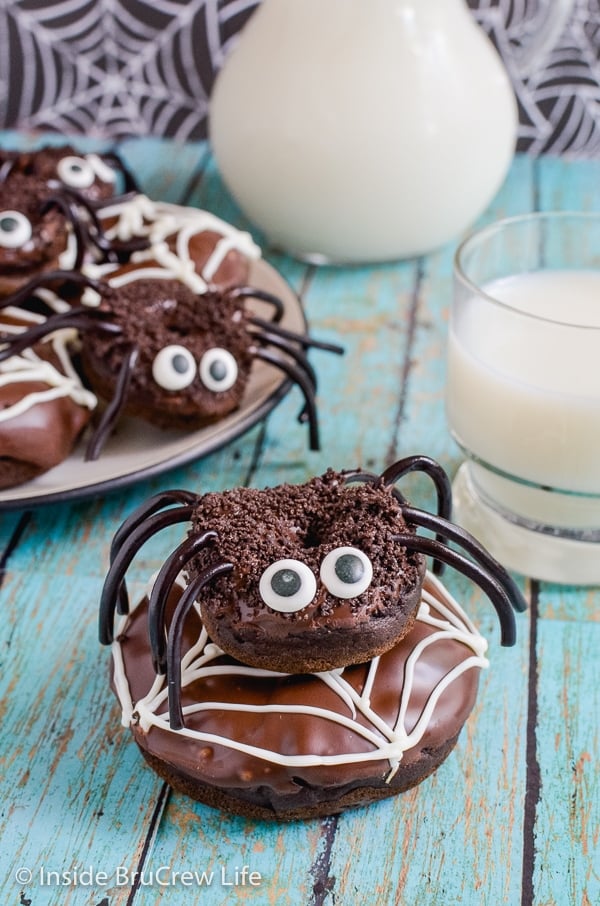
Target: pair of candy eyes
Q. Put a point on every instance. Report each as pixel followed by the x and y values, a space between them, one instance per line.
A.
pixel 16 229
pixel 289 585
pixel 175 368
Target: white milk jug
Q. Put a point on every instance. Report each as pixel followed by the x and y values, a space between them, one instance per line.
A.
pixel 365 130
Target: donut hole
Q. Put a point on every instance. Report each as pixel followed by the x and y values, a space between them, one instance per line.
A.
pixel 313 536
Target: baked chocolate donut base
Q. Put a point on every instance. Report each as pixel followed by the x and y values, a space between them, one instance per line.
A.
pixel 287 747
pixel 327 649
pixel 309 802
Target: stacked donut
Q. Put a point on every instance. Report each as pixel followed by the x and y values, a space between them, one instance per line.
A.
pixel 149 301
pixel 292 657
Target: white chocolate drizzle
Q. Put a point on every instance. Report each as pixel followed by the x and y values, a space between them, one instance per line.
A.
pixel 28 367
pixel 388 741
pixel 68 257
pixel 158 222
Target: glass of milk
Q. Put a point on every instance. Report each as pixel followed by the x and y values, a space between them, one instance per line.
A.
pixel 523 392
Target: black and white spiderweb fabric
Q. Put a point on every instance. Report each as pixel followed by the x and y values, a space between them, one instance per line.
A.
pixel 559 100
pixel 138 67
pixel 113 67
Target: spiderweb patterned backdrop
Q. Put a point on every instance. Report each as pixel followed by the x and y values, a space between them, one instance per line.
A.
pixel 136 67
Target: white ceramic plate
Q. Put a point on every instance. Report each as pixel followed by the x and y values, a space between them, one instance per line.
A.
pixel 137 450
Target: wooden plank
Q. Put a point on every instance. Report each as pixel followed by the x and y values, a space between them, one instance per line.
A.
pixel 368 312
pixel 74 794
pixel 194 836
pixel 567 828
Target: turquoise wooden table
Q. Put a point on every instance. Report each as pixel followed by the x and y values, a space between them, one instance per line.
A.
pixel 513 816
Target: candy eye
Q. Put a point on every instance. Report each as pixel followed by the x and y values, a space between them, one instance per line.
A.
pixel 75 172
pixel 15 229
pixel 174 368
pixel 287 586
pixel 346 572
pixel 218 369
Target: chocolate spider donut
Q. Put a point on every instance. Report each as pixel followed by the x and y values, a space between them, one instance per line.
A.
pixel 153 348
pixel 332 578
pixel 192 362
pixel 274 746
pixel 328 587
pixel 43 405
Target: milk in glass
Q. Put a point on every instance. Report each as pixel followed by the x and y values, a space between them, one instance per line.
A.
pixel 524 392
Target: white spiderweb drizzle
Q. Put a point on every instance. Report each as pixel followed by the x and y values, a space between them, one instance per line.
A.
pixel 387 741
pixel 61 379
pixel 560 100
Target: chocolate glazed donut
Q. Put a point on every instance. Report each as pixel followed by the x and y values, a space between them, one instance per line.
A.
pixel 44 407
pixel 284 747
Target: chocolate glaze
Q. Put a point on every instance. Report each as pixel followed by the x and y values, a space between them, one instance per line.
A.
pixel 43 405
pixel 253 741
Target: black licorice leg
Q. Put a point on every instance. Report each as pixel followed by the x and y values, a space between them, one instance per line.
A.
pixel 294 353
pixel 131 184
pixel 478 574
pixel 286 346
pixel 250 292
pixel 474 548
pixel 161 590
pixel 433 470
pixel 305 341
pixel 42 281
pixel 112 597
pixel 98 237
pixel 78 318
pixel 114 408
pixel 148 508
pixel 297 375
pixel 175 637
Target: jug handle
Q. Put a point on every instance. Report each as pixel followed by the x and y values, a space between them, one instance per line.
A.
pixel 527 60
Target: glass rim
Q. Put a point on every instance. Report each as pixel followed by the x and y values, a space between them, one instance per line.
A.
pixel 480 234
